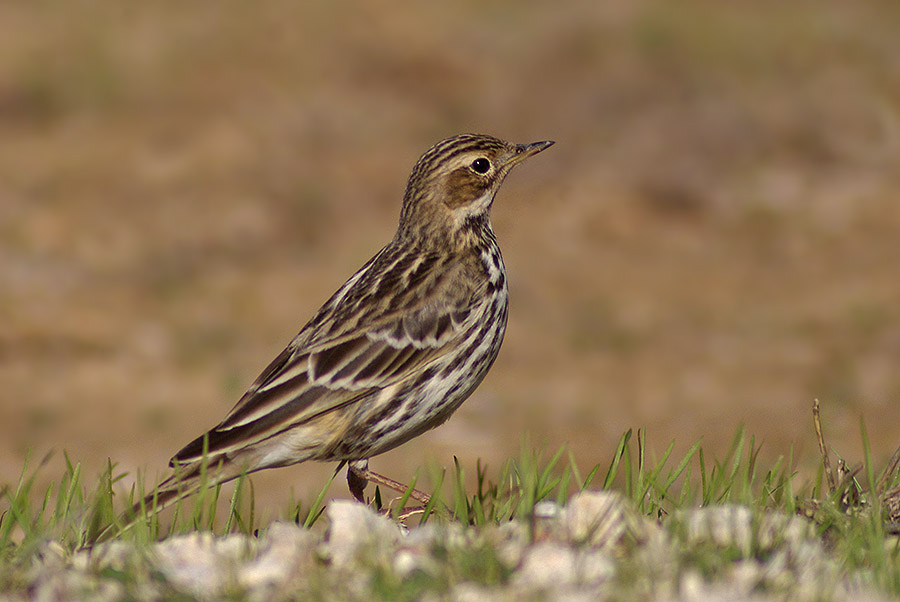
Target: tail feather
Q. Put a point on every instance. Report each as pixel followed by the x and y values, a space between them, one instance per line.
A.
pixel 186 480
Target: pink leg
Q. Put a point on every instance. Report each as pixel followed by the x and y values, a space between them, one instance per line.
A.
pixel 358 474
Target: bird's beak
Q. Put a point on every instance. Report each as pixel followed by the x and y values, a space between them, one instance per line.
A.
pixel 523 151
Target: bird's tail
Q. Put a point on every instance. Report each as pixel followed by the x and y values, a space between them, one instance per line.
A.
pixel 187 479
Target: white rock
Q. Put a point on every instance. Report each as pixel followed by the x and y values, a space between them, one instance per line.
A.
pixel 546 510
pixel 727 525
pixel 551 565
pixel 201 563
pixel 510 540
pixel 734 525
pixel 354 529
pixel 600 518
pixel 286 553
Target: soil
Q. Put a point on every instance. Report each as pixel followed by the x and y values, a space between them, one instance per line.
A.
pixel 712 241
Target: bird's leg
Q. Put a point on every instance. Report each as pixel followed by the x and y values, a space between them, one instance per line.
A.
pixel 356 479
pixel 358 474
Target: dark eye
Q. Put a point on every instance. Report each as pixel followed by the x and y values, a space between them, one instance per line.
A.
pixel 481 165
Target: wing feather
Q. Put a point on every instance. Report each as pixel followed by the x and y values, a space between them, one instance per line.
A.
pixel 328 367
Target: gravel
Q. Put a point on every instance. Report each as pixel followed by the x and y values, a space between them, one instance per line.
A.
pixel 595 548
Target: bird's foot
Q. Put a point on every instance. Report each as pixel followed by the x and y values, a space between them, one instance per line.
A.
pixel 358 475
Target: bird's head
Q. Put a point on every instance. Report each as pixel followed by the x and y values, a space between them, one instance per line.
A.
pixel 455 181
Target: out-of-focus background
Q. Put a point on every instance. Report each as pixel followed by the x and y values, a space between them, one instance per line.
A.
pixel 714 240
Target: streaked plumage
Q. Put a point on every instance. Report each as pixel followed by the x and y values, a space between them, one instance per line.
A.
pixel 397 349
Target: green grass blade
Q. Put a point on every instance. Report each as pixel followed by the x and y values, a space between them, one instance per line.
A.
pixel 315 511
pixel 621 450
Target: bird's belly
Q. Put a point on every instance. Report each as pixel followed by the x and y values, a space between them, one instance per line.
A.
pixel 429 398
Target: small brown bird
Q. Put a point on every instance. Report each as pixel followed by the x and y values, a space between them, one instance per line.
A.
pixel 395 351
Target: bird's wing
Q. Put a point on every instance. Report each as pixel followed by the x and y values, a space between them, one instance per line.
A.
pixel 339 359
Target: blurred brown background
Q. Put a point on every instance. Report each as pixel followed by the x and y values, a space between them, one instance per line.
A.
pixel 713 240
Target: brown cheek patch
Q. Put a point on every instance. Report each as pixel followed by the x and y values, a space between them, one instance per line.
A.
pixel 463 187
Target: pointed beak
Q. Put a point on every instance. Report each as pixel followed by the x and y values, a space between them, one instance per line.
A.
pixel 523 151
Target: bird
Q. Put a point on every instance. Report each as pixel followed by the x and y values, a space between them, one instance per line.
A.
pixel 394 352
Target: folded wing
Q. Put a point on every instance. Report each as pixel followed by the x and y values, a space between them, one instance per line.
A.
pixel 306 382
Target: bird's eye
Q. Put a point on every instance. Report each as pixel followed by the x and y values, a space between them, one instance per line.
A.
pixel 481 165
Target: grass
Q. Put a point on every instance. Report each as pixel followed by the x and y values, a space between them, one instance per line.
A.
pixel 851 510
pixel 73 513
